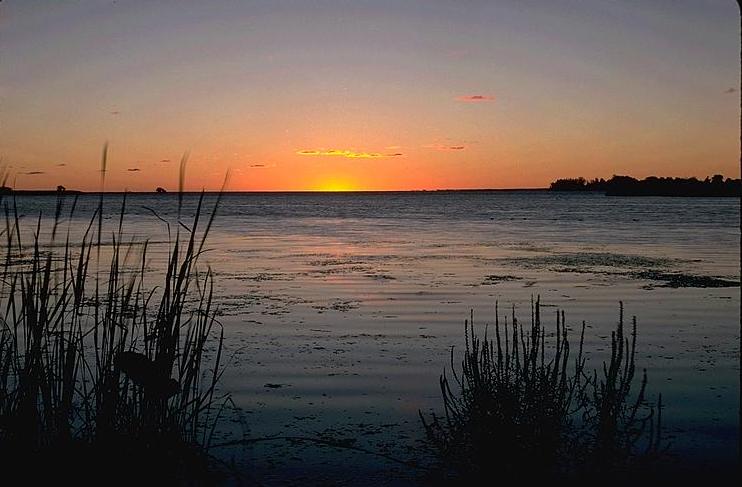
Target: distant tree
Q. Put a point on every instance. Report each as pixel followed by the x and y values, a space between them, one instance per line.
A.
pixel 61 189
pixel 160 190
pixel 569 184
pixel 596 184
pixel 654 186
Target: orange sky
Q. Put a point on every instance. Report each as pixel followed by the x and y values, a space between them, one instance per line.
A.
pixel 366 96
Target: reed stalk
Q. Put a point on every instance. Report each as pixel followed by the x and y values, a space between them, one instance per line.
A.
pixel 96 359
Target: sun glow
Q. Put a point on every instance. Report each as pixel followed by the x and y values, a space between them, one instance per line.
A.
pixel 336 185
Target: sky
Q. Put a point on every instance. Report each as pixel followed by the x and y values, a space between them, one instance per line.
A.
pixel 366 95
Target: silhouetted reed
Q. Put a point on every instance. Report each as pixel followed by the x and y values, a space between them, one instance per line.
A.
pixel 521 405
pixel 96 364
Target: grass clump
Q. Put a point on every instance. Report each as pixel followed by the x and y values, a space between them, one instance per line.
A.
pixel 99 371
pixel 523 406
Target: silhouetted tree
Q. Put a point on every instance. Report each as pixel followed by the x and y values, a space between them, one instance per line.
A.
pixel 573 184
pixel 654 186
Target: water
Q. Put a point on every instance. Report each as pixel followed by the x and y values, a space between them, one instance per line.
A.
pixel 340 309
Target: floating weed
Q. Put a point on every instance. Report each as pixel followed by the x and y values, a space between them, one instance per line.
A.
pixel 592 259
pixel 653 269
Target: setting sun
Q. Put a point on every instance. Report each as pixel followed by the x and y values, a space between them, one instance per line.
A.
pixel 336 185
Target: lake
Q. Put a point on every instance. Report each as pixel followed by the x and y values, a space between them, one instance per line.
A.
pixel 340 309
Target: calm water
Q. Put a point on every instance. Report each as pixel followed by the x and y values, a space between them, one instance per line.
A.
pixel 340 309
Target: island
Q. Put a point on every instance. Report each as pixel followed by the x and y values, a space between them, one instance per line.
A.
pixel 716 186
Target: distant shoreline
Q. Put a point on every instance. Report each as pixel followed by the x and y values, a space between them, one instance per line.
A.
pixel 30 192
pixel 614 192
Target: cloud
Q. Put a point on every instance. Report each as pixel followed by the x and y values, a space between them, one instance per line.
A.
pixel 133 169
pixel 730 90
pixel 164 160
pixel 475 98
pixel 62 164
pixel 445 147
pixel 348 154
pixel 115 112
pixel 33 173
pixel 260 166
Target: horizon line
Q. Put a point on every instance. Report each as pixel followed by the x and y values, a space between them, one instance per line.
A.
pixel 78 192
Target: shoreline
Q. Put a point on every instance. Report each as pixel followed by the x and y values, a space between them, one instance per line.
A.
pixel 31 192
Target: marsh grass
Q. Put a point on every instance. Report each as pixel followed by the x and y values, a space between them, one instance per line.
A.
pixel 100 371
pixel 522 405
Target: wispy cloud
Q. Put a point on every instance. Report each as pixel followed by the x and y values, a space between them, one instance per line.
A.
pixel 730 90
pixel 348 154
pixel 115 112
pixel 475 98
pixel 61 164
pixel 133 169
pixel 260 166
pixel 33 173
pixel 445 147
pixel 164 160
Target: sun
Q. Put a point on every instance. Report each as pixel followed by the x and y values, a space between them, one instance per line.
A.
pixel 336 185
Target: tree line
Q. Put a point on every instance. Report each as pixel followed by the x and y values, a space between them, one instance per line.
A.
pixel 653 186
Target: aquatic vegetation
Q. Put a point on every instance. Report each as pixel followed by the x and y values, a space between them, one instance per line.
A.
pixel 590 260
pixel 643 268
pixel 97 364
pixel 523 404
pixel 679 279
pixel 493 279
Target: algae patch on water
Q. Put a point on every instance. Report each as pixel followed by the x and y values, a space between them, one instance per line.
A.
pixel 493 279
pixel 660 270
pixel 679 279
pixel 588 261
